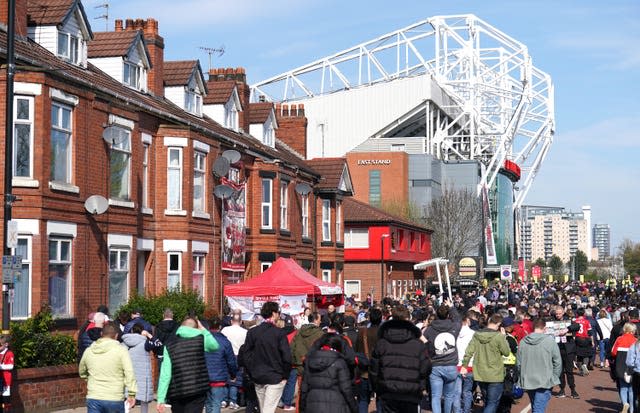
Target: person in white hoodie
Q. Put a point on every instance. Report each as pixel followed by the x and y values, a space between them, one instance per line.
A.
pixel 463 393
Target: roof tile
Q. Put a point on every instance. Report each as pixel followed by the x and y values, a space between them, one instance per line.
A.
pixel 48 12
pixel 111 44
pixel 178 73
pixel 259 112
pixel 331 170
pixel 359 212
pixel 219 92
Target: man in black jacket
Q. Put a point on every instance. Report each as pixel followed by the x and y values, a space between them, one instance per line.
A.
pixel 268 358
pixel 398 364
pixel 565 338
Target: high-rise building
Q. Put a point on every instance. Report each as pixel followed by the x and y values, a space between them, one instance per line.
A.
pixel 547 231
pixel 602 240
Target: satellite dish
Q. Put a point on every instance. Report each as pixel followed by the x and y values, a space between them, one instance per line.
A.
pixel 232 155
pixel 221 166
pixel 96 204
pixel 303 188
pixel 223 191
pixel 112 135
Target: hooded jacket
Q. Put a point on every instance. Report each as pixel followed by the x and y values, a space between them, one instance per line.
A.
pixel 487 348
pixel 539 362
pixel 107 367
pixel 302 342
pixel 138 348
pixel 326 384
pixel 399 366
pixel 441 338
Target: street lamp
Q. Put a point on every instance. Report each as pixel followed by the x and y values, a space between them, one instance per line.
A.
pixel 382 237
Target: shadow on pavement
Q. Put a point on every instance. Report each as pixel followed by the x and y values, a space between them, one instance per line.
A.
pixel 604 406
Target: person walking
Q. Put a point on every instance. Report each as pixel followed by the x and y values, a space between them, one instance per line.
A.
pixel 222 367
pixel 366 342
pixel 268 358
pixel 540 365
pixel 488 347
pixel 139 343
pixel 399 366
pixel 184 381
pixel 564 336
pixel 623 373
pixel 605 326
pixel 633 362
pixel 237 335
pixel 107 367
pixel 463 397
pixel 326 381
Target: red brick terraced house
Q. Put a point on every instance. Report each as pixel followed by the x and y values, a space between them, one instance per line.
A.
pixel 102 116
pixel 380 251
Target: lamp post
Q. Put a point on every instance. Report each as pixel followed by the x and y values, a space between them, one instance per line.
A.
pixel 382 237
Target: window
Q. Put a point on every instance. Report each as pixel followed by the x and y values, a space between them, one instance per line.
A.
pixel 174 261
pixel 338 221
pixel 121 164
pixel 145 175
pixel 131 75
pixel 266 203
pixel 199 170
pixel 305 215
pixel 413 241
pixel 267 135
pixel 374 188
pixel 264 266
pixel 118 276
pixel 284 201
pixel 23 137
pixel 69 47
pixel 326 276
pixel 174 179
pixel 193 102
pixel 59 275
pixel 22 286
pixel 397 147
pixel 352 287
pixel 231 115
pixel 61 143
pixel 234 175
pixel 326 220
pixel 356 238
pixel 197 278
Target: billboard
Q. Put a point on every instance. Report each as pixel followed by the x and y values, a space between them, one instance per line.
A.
pixel 489 243
pixel 233 228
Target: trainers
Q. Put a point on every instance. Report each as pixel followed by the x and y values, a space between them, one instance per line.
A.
pixel 223 404
pixel 625 408
pixel 574 394
pixel 289 408
pixel 233 406
pixel 584 370
pixel 561 395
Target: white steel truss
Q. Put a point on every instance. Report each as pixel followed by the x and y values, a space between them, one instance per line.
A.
pixel 505 104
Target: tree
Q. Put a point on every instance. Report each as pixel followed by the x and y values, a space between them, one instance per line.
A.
pixel 406 210
pixel 555 264
pixel 540 262
pixel 456 221
pixel 631 256
pixel 580 263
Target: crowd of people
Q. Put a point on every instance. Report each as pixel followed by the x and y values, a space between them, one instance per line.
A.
pixel 485 347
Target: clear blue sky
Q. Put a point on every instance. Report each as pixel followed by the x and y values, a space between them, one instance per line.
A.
pixel 591 49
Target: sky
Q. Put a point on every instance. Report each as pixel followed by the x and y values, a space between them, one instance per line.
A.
pixel 590 48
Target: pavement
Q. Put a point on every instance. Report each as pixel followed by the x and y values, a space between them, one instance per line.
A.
pixel 597 392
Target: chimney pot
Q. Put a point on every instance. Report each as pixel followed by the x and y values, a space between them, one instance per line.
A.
pixel 129 24
pixel 118 26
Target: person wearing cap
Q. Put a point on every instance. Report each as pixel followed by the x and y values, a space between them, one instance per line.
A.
pixel 136 318
pixel 488 347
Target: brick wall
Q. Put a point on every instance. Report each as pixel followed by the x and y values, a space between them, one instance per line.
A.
pixel 49 388
pixel 292 127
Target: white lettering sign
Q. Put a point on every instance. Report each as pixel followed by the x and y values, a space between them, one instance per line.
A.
pixel 374 161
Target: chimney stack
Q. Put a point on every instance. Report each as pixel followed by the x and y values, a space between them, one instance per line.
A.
pixel 292 127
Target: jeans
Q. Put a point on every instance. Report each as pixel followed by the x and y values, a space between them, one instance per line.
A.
pixel 603 345
pixel 539 399
pixel 214 399
pixel 105 406
pixel 232 393
pixel 442 379
pixel 269 395
pixel 492 392
pixel 626 394
pixel 463 394
pixel 290 388
pixel 364 396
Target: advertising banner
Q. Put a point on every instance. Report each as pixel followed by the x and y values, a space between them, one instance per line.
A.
pixel 233 228
pixel 521 270
pixel 536 272
pixel 490 247
pixel 244 304
pixel 292 304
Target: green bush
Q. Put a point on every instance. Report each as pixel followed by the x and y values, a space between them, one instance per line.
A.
pixel 35 346
pixel 152 307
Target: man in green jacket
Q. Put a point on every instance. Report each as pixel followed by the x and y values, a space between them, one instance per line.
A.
pixel 184 380
pixel 487 348
pixel 540 366
pixel 106 365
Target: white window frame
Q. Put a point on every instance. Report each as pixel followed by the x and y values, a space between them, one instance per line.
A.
pixel 338 221
pixel 353 238
pixel 326 276
pixel 193 102
pixel 174 275
pixel 57 260
pixel 131 74
pixel 347 291
pixel 284 203
pixel 234 175
pixel 171 190
pixel 304 206
pixel 200 171
pixel 68 132
pixel 119 251
pixel 146 150
pixel 266 206
pixel 121 148
pixel 199 269
pixel 231 115
pixel 265 265
pixel 326 220
pixel 26 262
pixel 22 122
pixel 70 41
pixel 267 135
